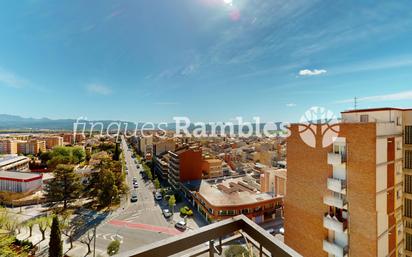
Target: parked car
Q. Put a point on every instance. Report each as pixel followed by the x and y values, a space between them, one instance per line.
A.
pixel 158 196
pixel 167 213
pixel 133 198
pixel 134 179
pixel 282 231
pixel 270 230
pixel 135 185
pixel 186 211
pixel 181 225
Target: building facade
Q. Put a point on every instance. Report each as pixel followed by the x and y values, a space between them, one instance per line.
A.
pixel 218 199
pixel 8 146
pixel 347 198
pixel 212 168
pixel 19 182
pixel 184 165
pixel 52 142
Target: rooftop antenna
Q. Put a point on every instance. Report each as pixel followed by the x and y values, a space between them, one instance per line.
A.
pixel 355 103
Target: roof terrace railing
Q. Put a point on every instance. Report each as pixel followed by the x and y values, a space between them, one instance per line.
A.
pixel 225 231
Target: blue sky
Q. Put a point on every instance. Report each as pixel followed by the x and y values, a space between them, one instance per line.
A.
pixel 210 60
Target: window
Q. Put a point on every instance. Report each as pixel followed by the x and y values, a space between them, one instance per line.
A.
pixel 408 159
pixel 398 121
pixel 408 135
pixel 398 194
pixel 364 118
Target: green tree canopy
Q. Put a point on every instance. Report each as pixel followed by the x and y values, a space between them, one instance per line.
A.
pixel 65 186
pixel 113 248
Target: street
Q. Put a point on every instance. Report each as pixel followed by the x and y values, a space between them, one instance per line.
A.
pixel 139 223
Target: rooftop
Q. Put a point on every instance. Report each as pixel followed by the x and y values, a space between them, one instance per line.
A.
pixel 376 110
pixel 9 159
pixel 18 175
pixel 230 191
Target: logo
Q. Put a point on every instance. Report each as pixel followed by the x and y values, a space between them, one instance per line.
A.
pixel 318 127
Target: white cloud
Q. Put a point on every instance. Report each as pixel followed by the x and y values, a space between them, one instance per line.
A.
pixel 291 105
pixel 10 79
pixel 405 95
pixel 99 89
pixel 314 72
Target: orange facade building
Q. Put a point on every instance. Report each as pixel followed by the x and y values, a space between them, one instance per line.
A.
pixel 346 199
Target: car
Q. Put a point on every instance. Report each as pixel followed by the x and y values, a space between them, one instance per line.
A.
pixel 133 198
pixel 282 231
pixel 181 225
pixel 158 196
pixel 270 230
pixel 134 179
pixel 135 185
pixel 167 213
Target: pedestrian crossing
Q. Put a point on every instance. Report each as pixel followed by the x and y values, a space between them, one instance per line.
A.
pixel 110 237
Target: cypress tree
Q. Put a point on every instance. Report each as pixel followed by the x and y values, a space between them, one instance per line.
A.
pixel 55 244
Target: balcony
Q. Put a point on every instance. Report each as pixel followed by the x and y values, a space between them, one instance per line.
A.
pixel 334 224
pixel 335 201
pixel 335 249
pixel 217 235
pixel 337 185
pixel 336 158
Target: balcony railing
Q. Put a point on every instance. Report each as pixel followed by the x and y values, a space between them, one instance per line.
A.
pixel 334 224
pixel 335 201
pixel 335 249
pixel 337 185
pixel 226 231
pixel 336 158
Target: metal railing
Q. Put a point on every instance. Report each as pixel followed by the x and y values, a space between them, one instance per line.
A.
pixel 225 231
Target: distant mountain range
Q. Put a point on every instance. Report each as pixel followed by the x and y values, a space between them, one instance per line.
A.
pixel 13 122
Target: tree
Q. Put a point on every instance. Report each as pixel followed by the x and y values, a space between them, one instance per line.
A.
pixel 55 243
pixel 113 248
pixel 108 191
pixel 78 155
pixel 172 202
pixel 30 224
pixel 65 186
pixel 69 227
pixel 237 251
pixel 87 240
pixel 43 223
pixel 116 154
pixel 157 184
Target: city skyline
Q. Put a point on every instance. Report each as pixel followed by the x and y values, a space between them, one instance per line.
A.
pixel 209 60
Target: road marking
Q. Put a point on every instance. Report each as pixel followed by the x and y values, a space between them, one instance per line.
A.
pixel 147 227
pixel 110 237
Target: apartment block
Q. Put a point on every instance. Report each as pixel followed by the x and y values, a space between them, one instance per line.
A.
pixel 8 146
pixel 273 180
pixel 161 166
pixel 163 146
pixel 52 142
pixel 212 168
pixel 33 146
pixel 347 198
pixel 184 165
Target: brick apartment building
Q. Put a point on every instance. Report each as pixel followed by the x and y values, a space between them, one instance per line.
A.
pixel 184 165
pixel 347 199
